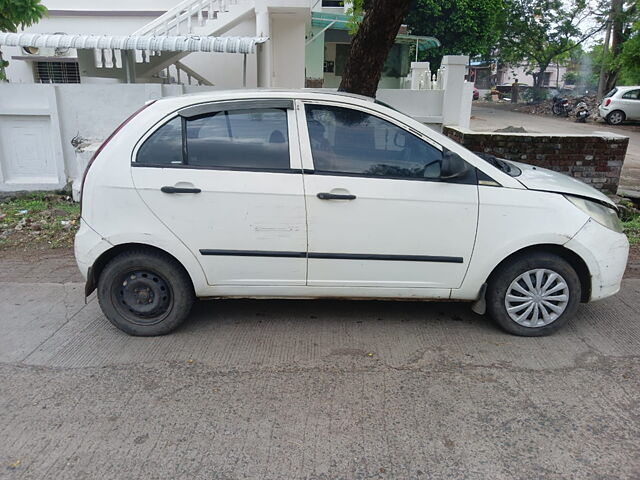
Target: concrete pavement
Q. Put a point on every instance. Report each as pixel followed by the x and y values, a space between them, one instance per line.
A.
pixel 487 117
pixel 310 389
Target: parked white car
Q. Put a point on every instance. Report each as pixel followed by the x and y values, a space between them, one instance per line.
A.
pixel 308 195
pixel 620 104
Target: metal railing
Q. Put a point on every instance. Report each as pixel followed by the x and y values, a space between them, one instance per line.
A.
pixel 181 19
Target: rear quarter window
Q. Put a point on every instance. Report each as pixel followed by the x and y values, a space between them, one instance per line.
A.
pixel 611 93
pixel 164 146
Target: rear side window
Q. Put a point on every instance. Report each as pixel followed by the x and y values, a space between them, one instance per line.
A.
pixel 164 146
pixel 255 139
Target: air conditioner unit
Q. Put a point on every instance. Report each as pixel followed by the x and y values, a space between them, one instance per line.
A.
pixel 47 52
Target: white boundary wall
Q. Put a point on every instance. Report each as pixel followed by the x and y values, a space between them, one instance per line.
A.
pixel 38 122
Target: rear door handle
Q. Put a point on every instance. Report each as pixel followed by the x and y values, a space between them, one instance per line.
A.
pixel 335 196
pixel 167 189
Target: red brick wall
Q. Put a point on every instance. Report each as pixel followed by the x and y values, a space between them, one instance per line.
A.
pixel 596 160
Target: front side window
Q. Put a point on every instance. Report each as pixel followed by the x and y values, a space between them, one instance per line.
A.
pixel 353 142
pixel 632 95
pixel 239 139
pixel 254 139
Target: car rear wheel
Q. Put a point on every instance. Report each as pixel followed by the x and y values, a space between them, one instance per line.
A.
pixel 534 295
pixel 145 293
pixel 615 118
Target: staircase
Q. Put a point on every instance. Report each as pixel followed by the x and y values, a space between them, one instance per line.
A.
pixel 190 17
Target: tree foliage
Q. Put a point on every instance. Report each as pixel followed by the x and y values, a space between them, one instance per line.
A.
pixel 629 59
pixel 540 31
pixel 15 14
pixel 620 62
pixel 464 27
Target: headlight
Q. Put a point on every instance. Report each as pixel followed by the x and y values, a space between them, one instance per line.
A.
pixel 606 216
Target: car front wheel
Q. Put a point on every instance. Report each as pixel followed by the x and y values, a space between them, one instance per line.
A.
pixel 615 118
pixel 534 295
pixel 145 293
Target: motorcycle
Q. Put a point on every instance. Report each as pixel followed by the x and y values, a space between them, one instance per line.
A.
pixel 560 106
pixel 582 112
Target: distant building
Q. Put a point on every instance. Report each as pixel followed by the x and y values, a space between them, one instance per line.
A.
pixel 486 75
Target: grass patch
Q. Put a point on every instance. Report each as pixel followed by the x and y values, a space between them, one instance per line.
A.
pixel 38 220
pixel 632 229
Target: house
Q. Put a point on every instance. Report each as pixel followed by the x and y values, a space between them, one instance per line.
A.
pixel 75 75
pixel 309 44
pixel 327 48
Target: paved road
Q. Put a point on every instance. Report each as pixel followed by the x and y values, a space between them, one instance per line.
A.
pixel 486 117
pixel 310 389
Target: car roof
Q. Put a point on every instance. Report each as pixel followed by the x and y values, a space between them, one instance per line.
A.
pixel 624 88
pixel 256 93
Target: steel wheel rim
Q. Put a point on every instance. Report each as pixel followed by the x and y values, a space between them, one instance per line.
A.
pixel 537 298
pixel 143 296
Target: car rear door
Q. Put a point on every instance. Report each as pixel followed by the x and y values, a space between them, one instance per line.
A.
pixel 374 220
pixel 226 179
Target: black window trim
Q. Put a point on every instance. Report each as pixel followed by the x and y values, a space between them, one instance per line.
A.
pixel 204 109
pixel 213 107
pixel 470 179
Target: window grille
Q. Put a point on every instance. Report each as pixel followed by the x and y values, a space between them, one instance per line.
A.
pixel 56 72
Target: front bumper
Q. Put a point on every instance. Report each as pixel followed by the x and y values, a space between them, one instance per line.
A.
pixel 605 252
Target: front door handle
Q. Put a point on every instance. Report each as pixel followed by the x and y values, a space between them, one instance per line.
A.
pixel 167 189
pixel 335 196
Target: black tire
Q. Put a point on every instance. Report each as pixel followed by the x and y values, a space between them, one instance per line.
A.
pixel 145 292
pixel 616 117
pixel 507 273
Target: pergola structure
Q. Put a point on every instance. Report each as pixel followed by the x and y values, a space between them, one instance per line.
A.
pixel 128 45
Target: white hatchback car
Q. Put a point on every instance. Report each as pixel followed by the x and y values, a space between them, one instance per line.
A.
pixel 309 195
pixel 620 104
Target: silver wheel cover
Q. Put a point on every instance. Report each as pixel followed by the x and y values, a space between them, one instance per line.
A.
pixel 537 298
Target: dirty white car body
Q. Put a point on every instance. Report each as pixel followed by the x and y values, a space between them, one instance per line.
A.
pixel 620 104
pixel 303 231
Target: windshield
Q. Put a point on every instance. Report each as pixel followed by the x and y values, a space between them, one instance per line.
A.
pixel 500 163
pixel 611 93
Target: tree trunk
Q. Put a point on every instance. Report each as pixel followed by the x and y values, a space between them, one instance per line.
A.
pixel 538 80
pixel 616 43
pixel 3 74
pixel 371 45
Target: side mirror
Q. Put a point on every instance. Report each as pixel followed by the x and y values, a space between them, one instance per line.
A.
pixel 453 166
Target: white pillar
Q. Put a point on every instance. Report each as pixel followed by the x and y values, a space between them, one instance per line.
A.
pixel 264 57
pixel 454 106
pixel 420 71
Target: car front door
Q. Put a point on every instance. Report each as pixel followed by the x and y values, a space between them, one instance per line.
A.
pixel 374 218
pixel 630 102
pixel 226 179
